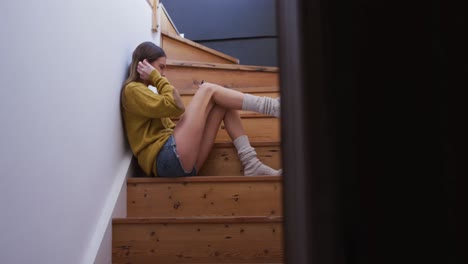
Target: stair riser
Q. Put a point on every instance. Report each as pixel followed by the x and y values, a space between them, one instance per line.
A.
pixel 186 98
pixel 183 77
pixel 176 50
pixel 258 129
pixel 198 243
pixel 264 129
pixel 224 161
pixel 205 199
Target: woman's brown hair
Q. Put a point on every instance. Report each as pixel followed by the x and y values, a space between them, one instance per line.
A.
pixel 146 50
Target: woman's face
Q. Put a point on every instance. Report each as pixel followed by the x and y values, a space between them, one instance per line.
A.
pixel 160 65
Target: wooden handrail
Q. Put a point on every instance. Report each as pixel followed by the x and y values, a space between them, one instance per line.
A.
pixel 155 26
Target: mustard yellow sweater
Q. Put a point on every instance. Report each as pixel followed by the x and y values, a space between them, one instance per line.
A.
pixel 147 118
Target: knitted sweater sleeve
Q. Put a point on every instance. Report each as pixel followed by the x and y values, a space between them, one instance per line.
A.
pixel 142 101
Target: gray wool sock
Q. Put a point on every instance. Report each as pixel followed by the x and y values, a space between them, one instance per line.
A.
pixel 248 157
pixel 261 104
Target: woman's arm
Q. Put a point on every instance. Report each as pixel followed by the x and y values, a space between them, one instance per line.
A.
pixel 139 99
pixel 178 99
pixel 142 101
pixel 149 73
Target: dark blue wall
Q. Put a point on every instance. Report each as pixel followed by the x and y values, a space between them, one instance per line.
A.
pixel 245 29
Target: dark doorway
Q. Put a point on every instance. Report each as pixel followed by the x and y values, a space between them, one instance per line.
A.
pixel 371 130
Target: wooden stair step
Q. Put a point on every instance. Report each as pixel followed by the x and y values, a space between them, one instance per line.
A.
pixel 259 128
pixel 252 90
pixel 188 75
pixel 178 48
pixel 223 159
pixel 198 240
pixel 205 196
pixel 272 92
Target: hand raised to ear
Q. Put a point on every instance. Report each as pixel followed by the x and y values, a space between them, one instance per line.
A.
pixel 144 68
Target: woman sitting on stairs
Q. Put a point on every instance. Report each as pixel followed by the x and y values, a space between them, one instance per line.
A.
pixel 153 136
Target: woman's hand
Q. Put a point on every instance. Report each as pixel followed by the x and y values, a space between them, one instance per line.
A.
pixel 144 69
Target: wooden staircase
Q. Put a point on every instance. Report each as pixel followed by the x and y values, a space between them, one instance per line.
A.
pixel 219 216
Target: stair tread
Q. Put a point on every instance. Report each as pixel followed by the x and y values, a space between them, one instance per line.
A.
pixel 197 64
pixel 204 179
pixel 188 75
pixel 211 219
pixel 167 19
pixel 199 46
pixel 266 89
pixel 243 114
pixel 254 144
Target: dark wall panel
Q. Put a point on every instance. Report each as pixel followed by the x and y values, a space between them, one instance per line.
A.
pixel 215 19
pixel 262 52
pixel 245 29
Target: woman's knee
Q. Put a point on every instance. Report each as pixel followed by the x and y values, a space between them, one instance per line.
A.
pixel 211 88
pixel 207 89
pixel 232 112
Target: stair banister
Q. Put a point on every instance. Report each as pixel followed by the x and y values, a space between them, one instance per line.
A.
pixel 156 19
pixel 163 9
pixel 158 8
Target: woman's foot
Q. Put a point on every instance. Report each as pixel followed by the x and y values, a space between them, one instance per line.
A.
pixel 248 157
pixel 257 168
pixel 261 104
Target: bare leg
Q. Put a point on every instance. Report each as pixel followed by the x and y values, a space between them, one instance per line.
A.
pixel 233 125
pixel 231 99
pixel 226 98
pixel 191 128
pixel 213 122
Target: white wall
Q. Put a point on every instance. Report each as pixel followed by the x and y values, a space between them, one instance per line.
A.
pixel 61 144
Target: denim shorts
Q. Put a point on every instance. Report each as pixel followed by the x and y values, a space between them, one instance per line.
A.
pixel 168 163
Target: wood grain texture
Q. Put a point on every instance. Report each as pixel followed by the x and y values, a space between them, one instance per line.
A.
pixel 258 128
pixel 184 75
pixel 166 24
pixel 205 179
pixel 204 199
pixel 195 64
pixel 224 160
pixel 251 90
pixel 198 220
pixel 155 23
pixel 222 242
pixel 178 48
